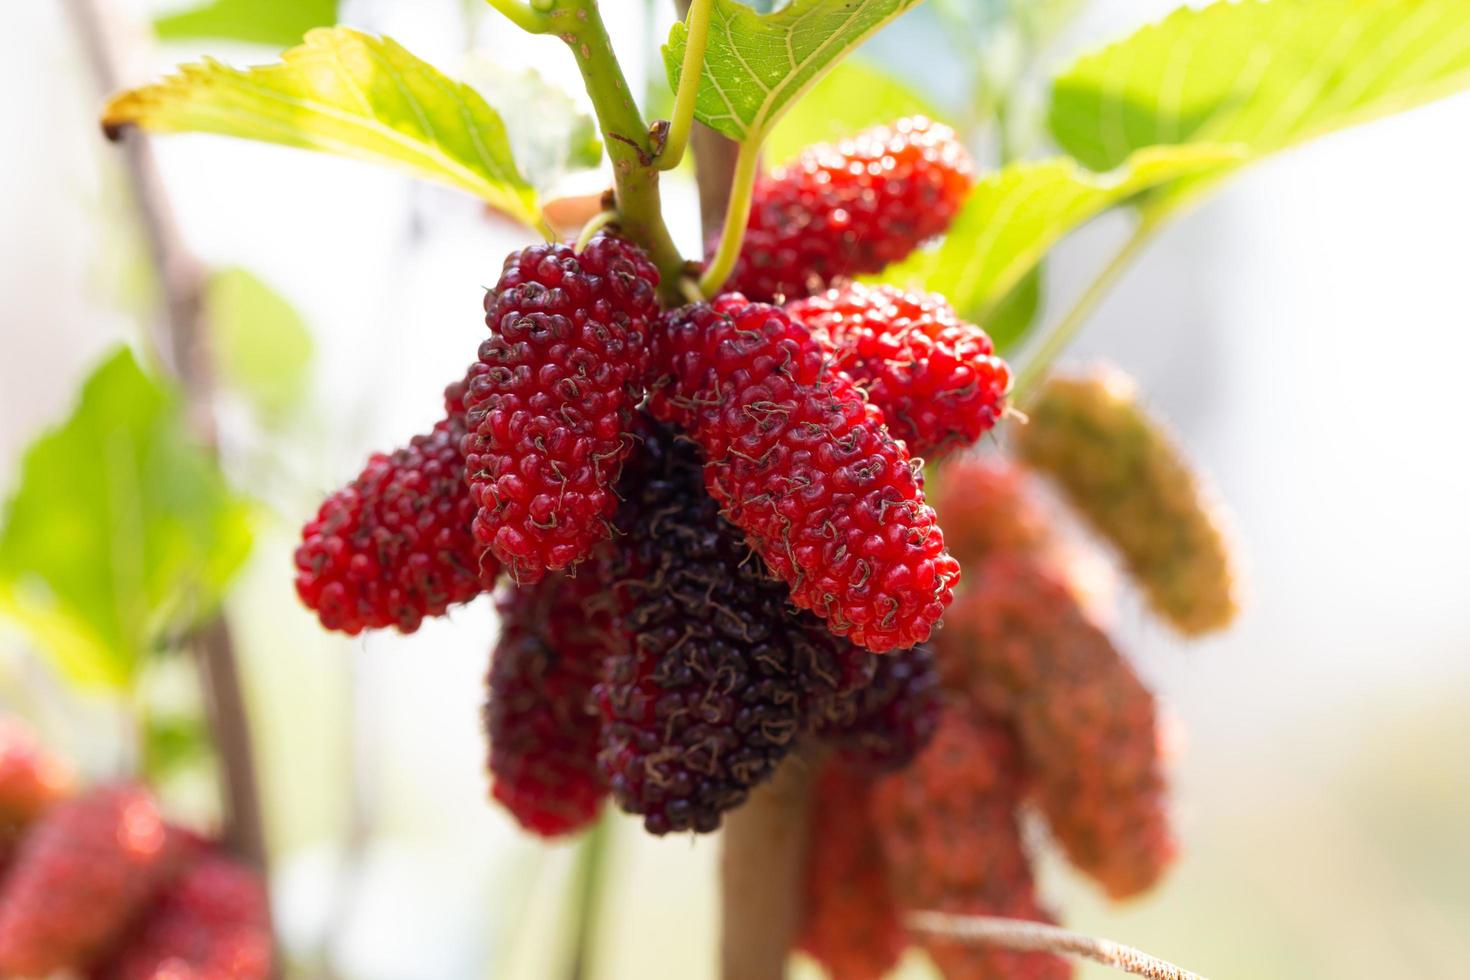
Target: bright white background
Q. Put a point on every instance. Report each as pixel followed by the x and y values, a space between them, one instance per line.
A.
pixel 1306 332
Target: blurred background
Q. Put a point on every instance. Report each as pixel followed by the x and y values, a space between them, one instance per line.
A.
pixel 1306 331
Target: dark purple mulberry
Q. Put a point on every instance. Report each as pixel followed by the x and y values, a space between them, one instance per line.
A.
pixel 886 724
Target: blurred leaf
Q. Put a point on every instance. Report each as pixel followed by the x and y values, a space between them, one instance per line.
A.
pixel 1013 216
pixel 757 65
pixel 260 343
pixel 549 135
pixel 275 22
pixel 851 97
pixel 1016 313
pixel 1262 75
pixel 121 529
pixel 350 94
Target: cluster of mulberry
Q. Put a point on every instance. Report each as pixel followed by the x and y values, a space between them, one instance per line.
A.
pixel 718 547
pixel 711 519
pixel 100 884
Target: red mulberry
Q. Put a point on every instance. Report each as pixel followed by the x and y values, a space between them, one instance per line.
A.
pixel 211 923
pixel 1018 641
pixel 988 507
pixel 80 877
pixel 549 418
pixel 714 672
pixel 935 377
pixel 850 923
pixel 1124 473
pixel 887 723
pixel 542 724
pixel 949 833
pixel 851 208
pixel 395 545
pixel 805 467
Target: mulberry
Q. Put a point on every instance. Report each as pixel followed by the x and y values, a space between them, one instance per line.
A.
pixel 549 418
pixel 850 923
pixel 888 722
pixel 850 208
pixel 805 467
pixel 949 834
pixel 81 875
pixel 394 545
pixel 988 507
pixel 714 674
pixel 542 724
pixel 935 377
pixel 1020 643
pixel 211 923
pixel 1124 473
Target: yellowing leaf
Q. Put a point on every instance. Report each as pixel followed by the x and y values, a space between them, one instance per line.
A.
pixel 756 65
pixel 1264 75
pixel 350 94
pixel 121 529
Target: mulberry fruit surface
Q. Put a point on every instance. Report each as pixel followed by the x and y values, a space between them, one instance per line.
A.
pixel 549 419
pixel 988 507
pixel 850 208
pixel 1018 641
pixel 80 877
pixel 850 923
pixel 886 724
pixel 1125 474
pixel 805 467
pixel 713 673
pixel 949 835
pixel 395 545
pixel 210 923
pixel 542 724
pixel 935 377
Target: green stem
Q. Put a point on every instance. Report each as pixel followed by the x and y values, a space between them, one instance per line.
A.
pixel 599 221
pixel 523 16
pixel 737 215
pixel 697 24
pixel 630 146
pixel 1067 327
pixel 591 868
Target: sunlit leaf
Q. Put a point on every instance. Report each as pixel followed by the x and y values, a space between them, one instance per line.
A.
pixel 275 22
pixel 1011 319
pixel 1264 75
pixel 260 343
pixel 756 65
pixel 549 135
pixel 852 97
pixel 351 94
pixel 120 531
pixel 1013 216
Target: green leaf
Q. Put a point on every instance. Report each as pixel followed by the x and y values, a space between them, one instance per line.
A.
pixel 279 23
pixel 1011 319
pixel 1263 75
pixel 757 65
pixel 260 343
pixel 351 94
pixel 120 531
pixel 1013 216
pixel 173 742
pixel 549 135
pixel 851 97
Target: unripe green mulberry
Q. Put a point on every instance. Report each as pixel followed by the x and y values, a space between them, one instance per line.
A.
pixel 1019 644
pixel 1122 470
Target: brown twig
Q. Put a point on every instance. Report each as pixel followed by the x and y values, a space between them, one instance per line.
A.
pixel 182 345
pixel 1038 937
